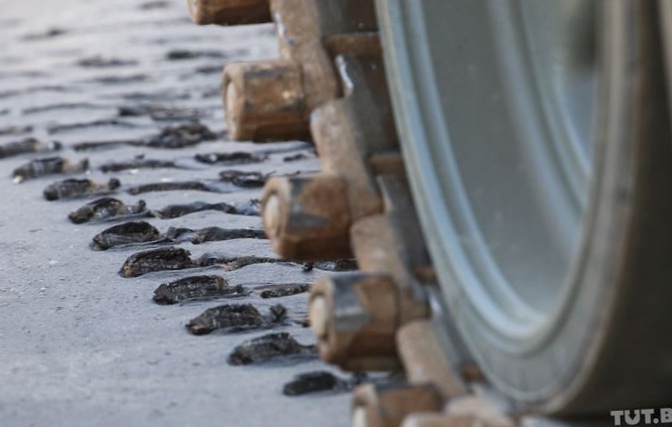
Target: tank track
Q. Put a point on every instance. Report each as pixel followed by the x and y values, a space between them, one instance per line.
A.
pixel 329 85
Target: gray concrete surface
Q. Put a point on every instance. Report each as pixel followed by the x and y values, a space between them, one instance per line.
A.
pixel 79 345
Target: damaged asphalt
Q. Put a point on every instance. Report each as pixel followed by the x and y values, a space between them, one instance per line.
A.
pixel 101 87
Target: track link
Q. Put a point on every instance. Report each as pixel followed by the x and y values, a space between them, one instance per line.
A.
pixel 329 85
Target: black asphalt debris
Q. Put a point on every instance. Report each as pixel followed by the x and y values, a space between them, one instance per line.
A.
pixel 106 208
pixel 160 259
pixel 181 136
pixel 200 288
pixel 76 188
pixel 230 264
pixel 125 234
pixel 162 113
pixel 340 265
pixel 28 145
pixel 49 166
pixel 156 4
pixel 48 34
pixel 133 234
pixel 244 179
pixel 297 157
pixel 184 54
pixel 236 263
pixel 137 164
pixel 236 317
pixel 105 145
pixel 229 159
pixel 176 211
pixel 175 137
pixel 63 106
pixel 270 347
pixel 314 382
pixel 212 234
pixel 102 62
pixel 174 186
pixel 119 80
pixel 15 130
pixel 164 95
pixel 172 258
pixel 282 290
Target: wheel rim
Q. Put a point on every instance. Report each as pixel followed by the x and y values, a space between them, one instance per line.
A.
pixel 515 185
pixel 552 367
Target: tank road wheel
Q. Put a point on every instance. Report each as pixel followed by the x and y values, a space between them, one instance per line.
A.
pixel 537 144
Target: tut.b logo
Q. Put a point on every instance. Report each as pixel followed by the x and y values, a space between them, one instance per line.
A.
pixel 633 417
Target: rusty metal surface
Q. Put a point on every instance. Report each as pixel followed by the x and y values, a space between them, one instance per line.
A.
pixel 265 100
pixel 428 419
pixel 229 12
pixel 348 131
pixel 300 32
pixel 361 199
pixel 331 71
pixel 388 405
pixel 358 334
pixel 307 217
pixel 310 34
pixel 425 360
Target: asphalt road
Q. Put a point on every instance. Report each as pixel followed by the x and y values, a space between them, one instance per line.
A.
pixel 81 345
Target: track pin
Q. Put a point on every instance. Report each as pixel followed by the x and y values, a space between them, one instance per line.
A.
pixel 307 218
pixel 264 101
pixel 354 317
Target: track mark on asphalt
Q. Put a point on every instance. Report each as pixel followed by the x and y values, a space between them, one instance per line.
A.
pixel 139 163
pixel 197 288
pixel 77 188
pixel 165 259
pixel 175 137
pixel 245 179
pixel 162 113
pixel 277 346
pixel 128 233
pixel 106 208
pixel 212 187
pixel 49 166
pixel 132 234
pixel 314 382
pixel 103 62
pixel 251 208
pixel 282 290
pixel 236 317
pixel 230 159
pixel 26 146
